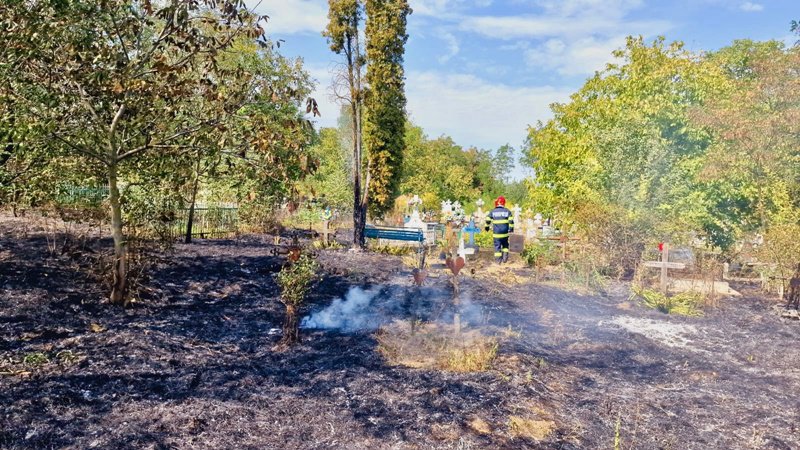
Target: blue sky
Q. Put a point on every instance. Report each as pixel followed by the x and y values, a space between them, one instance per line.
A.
pixel 482 71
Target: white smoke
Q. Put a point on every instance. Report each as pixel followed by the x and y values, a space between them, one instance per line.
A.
pixel 349 314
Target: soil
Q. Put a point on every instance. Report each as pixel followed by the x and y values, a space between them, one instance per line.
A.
pixel 193 363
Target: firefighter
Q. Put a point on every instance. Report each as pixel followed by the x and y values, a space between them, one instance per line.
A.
pixel 501 221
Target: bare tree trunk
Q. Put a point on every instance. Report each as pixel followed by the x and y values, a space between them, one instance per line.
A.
pixel 119 287
pixel 190 218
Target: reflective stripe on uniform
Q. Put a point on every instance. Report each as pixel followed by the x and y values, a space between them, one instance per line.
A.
pixel 500 236
pixel 505 250
pixel 501 222
pixel 498 254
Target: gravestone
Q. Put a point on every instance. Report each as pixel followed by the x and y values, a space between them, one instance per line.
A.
pixel 516 242
pixel 516 210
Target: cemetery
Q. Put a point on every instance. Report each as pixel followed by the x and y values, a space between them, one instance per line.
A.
pixel 319 224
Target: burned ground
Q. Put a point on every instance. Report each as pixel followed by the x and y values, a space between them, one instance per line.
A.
pixel 192 364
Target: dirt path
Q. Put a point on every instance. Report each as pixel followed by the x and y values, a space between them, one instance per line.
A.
pixel 192 365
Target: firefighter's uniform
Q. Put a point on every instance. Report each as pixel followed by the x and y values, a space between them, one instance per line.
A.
pixel 501 222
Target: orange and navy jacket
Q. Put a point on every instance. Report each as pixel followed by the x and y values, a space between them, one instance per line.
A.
pixel 501 221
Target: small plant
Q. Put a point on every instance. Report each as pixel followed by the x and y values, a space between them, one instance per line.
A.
pixel 539 254
pixel 295 280
pixel 685 303
pixel 35 359
pixel 394 250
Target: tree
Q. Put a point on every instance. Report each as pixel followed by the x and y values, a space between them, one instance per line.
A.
pixel 116 83
pixel 757 135
pixel 344 21
pixel 331 180
pixel 624 146
pixel 384 114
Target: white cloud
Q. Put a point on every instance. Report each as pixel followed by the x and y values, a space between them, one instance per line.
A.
pixel 588 7
pixel 751 7
pixel 444 7
pixel 474 111
pixel 452 47
pixel 294 16
pixel 578 57
pixel 517 27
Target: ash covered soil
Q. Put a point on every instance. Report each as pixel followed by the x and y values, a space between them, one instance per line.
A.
pixel 192 364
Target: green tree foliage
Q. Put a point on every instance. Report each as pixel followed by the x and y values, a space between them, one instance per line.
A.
pixel 384 118
pixel 624 147
pixel 121 89
pixel 331 181
pixel 756 125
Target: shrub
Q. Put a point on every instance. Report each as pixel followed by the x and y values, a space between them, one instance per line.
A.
pixel 685 303
pixel 295 280
pixel 540 253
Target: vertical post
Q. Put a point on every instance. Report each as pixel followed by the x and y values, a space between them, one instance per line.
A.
pixel 564 240
pixel 664 261
pixel 325 231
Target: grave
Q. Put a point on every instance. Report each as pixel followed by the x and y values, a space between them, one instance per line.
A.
pixel 664 265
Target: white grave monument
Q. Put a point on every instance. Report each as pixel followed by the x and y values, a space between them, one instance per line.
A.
pixel 516 210
pixel 416 220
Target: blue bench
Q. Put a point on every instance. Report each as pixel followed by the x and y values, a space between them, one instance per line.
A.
pixel 394 234
pixel 398 234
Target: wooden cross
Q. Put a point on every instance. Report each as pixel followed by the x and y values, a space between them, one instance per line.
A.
pixel 326 229
pixel 664 264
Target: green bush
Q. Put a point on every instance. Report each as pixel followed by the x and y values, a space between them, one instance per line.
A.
pixel 540 253
pixel 295 280
pixel 484 239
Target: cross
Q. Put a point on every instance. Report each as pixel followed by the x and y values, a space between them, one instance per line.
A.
pixel 471 229
pixel 664 264
pixel 516 210
pixel 326 230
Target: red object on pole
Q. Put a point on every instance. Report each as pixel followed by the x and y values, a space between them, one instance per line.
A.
pixel 661 247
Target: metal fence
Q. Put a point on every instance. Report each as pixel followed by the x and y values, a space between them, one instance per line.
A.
pixel 208 222
pixel 68 194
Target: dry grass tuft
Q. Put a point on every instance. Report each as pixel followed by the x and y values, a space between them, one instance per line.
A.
pixel 529 428
pixel 480 426
pixel 436 346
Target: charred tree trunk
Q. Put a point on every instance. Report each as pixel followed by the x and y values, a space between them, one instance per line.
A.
pixel 291 326
pixel 190 218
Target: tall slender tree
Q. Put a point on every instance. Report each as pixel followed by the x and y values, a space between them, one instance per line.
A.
pixel 384 113
pixel 345 17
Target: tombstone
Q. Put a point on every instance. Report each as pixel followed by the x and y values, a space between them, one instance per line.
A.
pixel 516 243
pixel 530 229
pixel 415 221
pixel 516 210
pixel 447 208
